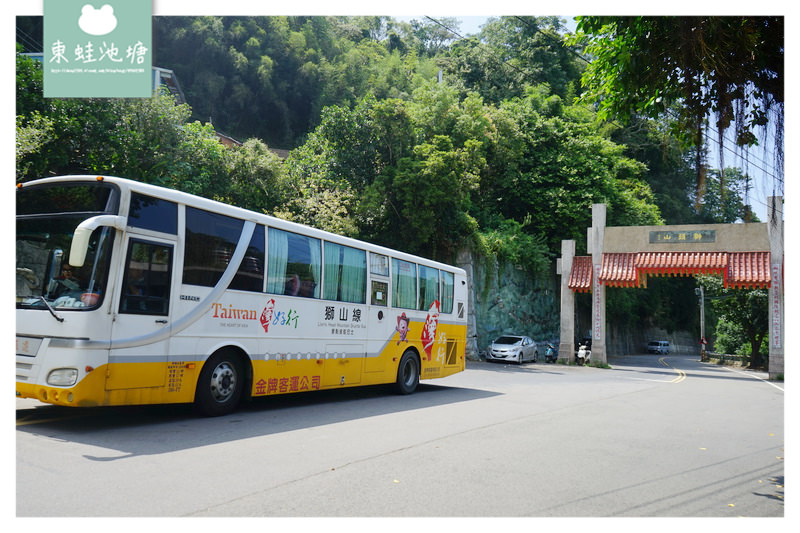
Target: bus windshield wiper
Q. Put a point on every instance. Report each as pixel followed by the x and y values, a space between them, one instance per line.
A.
pixel 50 308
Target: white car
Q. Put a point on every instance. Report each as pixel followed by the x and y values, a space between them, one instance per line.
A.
pixel 513 349
pixel 658 347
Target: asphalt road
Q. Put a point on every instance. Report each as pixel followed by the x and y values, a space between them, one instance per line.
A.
pixel 655 436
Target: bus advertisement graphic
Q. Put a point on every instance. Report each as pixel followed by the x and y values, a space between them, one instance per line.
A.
pixel 266 315
pixel 429 331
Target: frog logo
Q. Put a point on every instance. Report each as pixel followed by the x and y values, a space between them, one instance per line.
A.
pixel 97 21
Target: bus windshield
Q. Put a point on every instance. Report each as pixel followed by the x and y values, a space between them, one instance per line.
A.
pixel 43 270
pixel 46 219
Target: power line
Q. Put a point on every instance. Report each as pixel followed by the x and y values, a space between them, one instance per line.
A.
pixel 30 42
pixel 536 29
pixel 771 172
pixel 499 59
pixel 716 131
pixel 765 171
pixel 454 32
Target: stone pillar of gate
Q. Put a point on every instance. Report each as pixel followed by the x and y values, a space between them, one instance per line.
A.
pixel 776 308
pixel 566 349
pixel 598 290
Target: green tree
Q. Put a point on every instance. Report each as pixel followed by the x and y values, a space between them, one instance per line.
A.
pixel 270 77
pixel 442 170
pixel 557 164
pixel 322 207
pixel 730 68
pixel 425 199
pixel 721 201
pixel 743 316
pixel 351 146
pixel 670 172
pixel 142 139
pixel 258 178
pixel 512 53
pixel 405 183
pixel 198 164
pixel 516 243
pixel 32 134
pixel 242 73
pixel 433 36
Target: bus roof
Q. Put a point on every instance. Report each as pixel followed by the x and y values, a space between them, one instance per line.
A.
pixel 199 202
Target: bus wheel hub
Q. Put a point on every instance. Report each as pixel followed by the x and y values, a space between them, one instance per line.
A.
pixel 223 382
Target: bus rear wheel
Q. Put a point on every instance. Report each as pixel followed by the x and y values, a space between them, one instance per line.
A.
pixel 220 385
pixel 407 373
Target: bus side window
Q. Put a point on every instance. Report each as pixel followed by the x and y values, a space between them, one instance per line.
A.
pixel 154 214
pixel 428 287
pixel 345 274
pixel 404 284
pixel 211 239
pixel 147 280
pixel 448 287
pixel 294 264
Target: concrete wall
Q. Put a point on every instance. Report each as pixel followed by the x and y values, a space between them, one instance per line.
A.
pixel 621 341
pixel 507 299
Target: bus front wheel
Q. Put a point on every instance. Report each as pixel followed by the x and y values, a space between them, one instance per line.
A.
pixel 407 373
pixel 220 386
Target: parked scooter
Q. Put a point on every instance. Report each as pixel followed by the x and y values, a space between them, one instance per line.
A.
pixel 584 355
pixel 550 354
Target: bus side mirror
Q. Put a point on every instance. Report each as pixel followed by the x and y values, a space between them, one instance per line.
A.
pixel 54 264
pixel 80 239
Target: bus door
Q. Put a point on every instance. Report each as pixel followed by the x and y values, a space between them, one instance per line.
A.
pixel 140 347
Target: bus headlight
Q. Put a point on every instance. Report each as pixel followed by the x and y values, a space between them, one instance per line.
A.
pixel 63 377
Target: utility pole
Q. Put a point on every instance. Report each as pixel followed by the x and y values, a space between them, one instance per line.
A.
pixel 700 291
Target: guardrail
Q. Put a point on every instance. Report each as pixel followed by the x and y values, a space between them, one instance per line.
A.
pixel 728 359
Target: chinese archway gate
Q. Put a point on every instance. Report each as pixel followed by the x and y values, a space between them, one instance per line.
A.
pixel 745 255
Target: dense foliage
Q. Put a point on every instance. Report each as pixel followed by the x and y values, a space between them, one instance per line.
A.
pixel 438 171
pixel 149 140
pixel 270 77
pixel 510 54
pixel 728 68
pixel 742 320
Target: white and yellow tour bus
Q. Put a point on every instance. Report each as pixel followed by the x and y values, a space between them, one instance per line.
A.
pixel 129 293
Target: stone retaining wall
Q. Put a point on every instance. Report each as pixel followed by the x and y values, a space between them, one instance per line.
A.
pixel 508 300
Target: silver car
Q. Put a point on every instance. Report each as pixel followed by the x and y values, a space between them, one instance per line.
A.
pixel 513 349
pixel 658 347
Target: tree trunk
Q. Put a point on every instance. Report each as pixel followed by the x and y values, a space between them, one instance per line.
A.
pixel 756 359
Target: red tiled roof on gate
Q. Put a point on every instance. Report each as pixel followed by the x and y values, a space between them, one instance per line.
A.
pixel 580 277
pixel 748 270
pixel 739 269
pixel 682 263
pixel 619 270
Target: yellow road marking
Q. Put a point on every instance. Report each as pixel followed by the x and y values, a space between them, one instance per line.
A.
pixel 681 374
